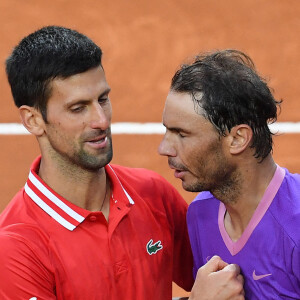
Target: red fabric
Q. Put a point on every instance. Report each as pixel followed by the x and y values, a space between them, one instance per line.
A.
pixel 41 258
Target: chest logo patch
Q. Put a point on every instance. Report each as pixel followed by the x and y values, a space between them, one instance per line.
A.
pixel 153 248
pixel 258 277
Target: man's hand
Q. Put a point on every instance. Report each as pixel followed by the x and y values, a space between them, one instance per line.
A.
pixel 217 280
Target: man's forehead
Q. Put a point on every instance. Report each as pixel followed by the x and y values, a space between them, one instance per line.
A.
pixel 84 86
pixel 182 103
pixel 179 110
pixel 91 78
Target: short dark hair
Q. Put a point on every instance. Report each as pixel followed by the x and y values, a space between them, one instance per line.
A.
pixel 48 53
pixel 227 87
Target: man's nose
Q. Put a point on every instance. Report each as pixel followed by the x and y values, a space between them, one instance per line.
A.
pixel 100 117
pixel 166 148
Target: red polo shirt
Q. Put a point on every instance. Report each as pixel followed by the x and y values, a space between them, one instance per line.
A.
pixel 53 249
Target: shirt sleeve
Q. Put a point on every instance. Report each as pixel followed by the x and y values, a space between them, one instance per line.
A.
pixel 22 274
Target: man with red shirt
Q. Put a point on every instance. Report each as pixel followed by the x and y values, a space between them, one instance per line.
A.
pixel 82 228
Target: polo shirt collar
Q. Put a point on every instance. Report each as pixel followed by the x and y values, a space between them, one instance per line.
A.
pixel 61 210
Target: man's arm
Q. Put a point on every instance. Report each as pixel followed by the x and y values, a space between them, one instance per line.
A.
pixel 217 280
pixel 22 274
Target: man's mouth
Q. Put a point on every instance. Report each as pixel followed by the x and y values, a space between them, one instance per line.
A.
pixel 98 142
pixel 178 172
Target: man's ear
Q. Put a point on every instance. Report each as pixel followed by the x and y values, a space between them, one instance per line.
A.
pixel 241 137
pixel 32 120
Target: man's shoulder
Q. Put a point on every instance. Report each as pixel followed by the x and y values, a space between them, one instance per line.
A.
pixel 204 198
pixel 24 249
pixel 27 237
pixel 288 195
pixel 18 219
pixel 14 211
pixel 292 179
pixel 284 211
pixel 203 204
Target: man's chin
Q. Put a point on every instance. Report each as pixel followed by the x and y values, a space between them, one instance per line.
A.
pixel 94 163
pixel 185 186
pixel 192 187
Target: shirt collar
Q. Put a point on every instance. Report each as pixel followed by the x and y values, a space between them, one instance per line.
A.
pixel 64 212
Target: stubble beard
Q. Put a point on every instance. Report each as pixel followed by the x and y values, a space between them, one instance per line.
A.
pixel 223 182
pixel 91 162
pixel 82 158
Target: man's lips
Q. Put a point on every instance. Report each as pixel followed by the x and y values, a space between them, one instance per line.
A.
pixel 98 142
pixel 178 173
pixel 97 139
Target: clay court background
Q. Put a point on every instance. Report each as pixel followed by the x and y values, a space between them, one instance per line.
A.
pixel 143 44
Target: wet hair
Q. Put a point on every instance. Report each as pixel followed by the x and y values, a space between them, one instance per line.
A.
pixel 48 53
pixel 229 90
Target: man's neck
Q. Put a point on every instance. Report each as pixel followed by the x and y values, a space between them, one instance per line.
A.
pixel 87 189
pixel 243 201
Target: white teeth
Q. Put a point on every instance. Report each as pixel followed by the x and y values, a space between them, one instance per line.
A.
pixel 100 141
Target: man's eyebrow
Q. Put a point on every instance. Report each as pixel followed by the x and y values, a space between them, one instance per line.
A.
pixel 85 101
pixel 76 102
pixel 175 129
pixel 105 92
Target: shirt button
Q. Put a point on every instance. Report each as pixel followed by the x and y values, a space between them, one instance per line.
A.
pixel 93 218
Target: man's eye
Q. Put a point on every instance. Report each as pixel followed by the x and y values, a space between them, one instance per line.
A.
pixel 77 109
pixel 180 134
pixel 102 100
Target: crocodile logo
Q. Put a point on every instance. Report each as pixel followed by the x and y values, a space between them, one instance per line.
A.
pixel 153 248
